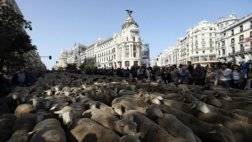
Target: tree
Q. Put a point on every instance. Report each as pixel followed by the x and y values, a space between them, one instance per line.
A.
pixel 14 41
pixel 71 67
pixel 89 65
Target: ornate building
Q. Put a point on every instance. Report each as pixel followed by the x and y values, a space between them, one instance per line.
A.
pixel 229 39
pixel 124 50
pixel 235 43
pixel 199 44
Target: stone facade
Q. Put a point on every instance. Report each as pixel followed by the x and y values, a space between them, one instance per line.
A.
pixel 226 40
pixel 235 44
pixel 123 50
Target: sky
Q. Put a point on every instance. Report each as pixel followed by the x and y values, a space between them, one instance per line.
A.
pixel 59 24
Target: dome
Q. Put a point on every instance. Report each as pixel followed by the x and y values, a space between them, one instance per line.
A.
pixel 128 22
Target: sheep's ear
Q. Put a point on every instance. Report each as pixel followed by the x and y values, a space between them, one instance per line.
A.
pixel 58 112
pixel 123 109
pixel 160 98
pixel 87 114
pixel 193 106
pixel 156 101
pixel 54 107
pixel 120 124
pixel 131 119
pixel 135 124
pixel 204 99
pixel 140 135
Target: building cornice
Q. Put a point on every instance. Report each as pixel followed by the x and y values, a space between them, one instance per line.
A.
pixel 240 21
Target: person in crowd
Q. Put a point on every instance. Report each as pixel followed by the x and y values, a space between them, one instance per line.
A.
pixel 190 69
pixel 148 73
pixel 127 73
pixel 218 73
pixel 163 75
pixel 184 75
pixel 210 76
pixel 249 80
pixel 153 73
pixel 133 72
pixel 175 74
pixel 199 75
pixel 244 73
pixel 236 77
pixel 225 76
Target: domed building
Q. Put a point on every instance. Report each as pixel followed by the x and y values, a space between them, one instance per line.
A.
pixel 123 50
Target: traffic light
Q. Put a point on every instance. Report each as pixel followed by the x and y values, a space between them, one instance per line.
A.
pixel 50 57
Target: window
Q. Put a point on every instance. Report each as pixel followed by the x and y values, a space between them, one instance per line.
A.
pixel 211 45
pixel 135 63
pixel 241 38
pixel 127 63
pixel 250 34
pixel 196 59
pixel 127 51
pixel 133 38
pixel 120 64
pixel 203 43
pixel 224 34
pixel 251 24
pixel 232 32
pixel 211 58
pixel 232 41
pixel 204 58
pixel 127 39
pixel 223 43
pixel 241 28
pixel 203 51
pixel 196 44
pixel 233 49
pixel 223 52
pixel 134 51
pixel 241 48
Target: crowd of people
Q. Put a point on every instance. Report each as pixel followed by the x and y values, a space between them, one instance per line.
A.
pixel 224 74
pixel 227 75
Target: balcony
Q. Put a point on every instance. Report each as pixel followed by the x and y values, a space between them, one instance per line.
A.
pixel 231 54
pixel 241 52
pixel 248 51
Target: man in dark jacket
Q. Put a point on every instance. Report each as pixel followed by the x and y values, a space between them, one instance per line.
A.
pixel 199 75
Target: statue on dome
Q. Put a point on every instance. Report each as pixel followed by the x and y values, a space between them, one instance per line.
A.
pixel 129 12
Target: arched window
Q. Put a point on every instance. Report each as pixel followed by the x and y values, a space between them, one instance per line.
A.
pixel 134 38
pixel 127 51
pixel 134 51
pixel 127 63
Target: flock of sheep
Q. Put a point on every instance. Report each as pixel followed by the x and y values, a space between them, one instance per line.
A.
pixel 62 107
